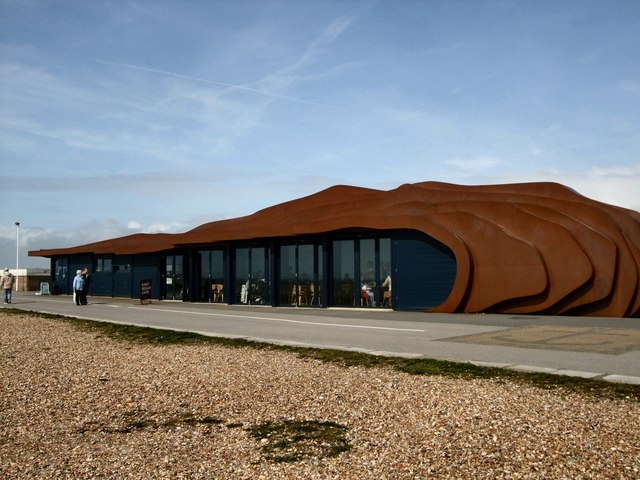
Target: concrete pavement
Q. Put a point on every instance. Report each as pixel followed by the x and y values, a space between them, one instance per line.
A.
pixel 588 347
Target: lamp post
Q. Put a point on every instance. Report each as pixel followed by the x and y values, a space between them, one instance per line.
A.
pixel 17 252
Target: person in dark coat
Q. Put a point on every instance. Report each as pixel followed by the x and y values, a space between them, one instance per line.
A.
pixel 87 282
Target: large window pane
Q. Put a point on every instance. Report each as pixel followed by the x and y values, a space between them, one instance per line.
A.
pixel 178 280
pixel 367 273
pixel 259 292
pixel 320 278
pixel 288 292
pixel 204 294
pixel 343 272
pixel 217 275
pixel 61 269
pixel 174 277
pixel 385 273
pixel 305 274
pixel 242 275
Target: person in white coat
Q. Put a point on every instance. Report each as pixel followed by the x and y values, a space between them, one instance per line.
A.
pixel 78 286
pixel 7 284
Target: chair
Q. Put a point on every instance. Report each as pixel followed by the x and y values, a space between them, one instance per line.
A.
pixel 312 294
pixel 364 298
pixel 386 298
pixel 218 295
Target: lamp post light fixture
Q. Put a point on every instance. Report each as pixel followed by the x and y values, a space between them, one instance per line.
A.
pixel 17 252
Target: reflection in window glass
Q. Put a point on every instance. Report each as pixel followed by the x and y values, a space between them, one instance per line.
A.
pixel 343 272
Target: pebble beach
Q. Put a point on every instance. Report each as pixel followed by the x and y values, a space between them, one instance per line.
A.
pixel 77 404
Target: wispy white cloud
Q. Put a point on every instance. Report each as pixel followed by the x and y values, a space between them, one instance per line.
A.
pixel 471 166
pixel 615 184
pixel 630 86
pixel 229 88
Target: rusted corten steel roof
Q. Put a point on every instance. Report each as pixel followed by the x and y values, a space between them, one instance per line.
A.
pixel 519 248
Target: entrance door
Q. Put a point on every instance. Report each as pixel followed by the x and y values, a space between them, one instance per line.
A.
pixel 174 288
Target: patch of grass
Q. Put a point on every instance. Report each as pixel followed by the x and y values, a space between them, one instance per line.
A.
pixel 422 366
pixel 17 311
pixel 292 440
pixel 135 420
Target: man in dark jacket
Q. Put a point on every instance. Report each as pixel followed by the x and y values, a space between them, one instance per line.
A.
pixel 85 288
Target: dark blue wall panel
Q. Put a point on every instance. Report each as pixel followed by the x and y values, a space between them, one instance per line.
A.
pixel 147 267
pixel 102 284
pixel 425 271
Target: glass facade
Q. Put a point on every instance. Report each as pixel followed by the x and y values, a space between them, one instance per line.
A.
pixel 403 269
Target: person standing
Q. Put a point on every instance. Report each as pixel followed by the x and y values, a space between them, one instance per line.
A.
pixel 7 284
pixel 85 289
pixel 78 285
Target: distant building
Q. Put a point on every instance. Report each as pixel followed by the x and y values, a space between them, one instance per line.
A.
pixel 29 279
pixel 536 248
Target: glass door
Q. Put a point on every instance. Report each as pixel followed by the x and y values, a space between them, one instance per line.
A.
pixel 174 278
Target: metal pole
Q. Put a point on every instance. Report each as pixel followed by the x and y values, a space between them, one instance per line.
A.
pixel 17 252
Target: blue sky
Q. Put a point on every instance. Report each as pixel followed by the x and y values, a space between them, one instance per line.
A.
pixel 119 117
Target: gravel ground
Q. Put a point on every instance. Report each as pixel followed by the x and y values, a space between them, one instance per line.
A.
pixel 75 404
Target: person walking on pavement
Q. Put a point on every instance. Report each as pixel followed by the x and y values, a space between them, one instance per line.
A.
pixel 85 289
pixel 7 284
pixel 78 285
